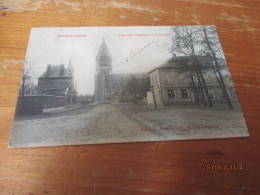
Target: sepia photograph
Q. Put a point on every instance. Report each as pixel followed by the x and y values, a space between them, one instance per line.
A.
pixel 95 85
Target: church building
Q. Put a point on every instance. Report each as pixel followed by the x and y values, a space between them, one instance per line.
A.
pixel 113 87
pixel 167 84
pixel 103 79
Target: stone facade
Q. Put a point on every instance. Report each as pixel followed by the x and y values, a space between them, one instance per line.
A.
pixel 170 87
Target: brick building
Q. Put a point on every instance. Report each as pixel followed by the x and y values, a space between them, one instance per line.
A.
pixel 58 81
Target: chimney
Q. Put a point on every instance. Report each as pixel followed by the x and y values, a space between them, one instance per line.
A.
pixel 48 72
pixel 61 69
pixel 174 55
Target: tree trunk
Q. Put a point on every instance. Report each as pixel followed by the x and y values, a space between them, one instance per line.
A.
pixel 223 88
pixel 198 69
pixel 154 100
pixel 200 89
pixel 204 86
pixel 221 80
pixel 193 88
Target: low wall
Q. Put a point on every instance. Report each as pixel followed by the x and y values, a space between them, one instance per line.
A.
pixel 34 104
pixel 52 101
pixel 27 106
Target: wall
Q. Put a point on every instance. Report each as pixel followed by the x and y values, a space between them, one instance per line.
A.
pixel 34 104
pixel 28 106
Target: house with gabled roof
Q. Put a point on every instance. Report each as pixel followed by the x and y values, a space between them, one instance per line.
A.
pixel 58 80
pixel 175 82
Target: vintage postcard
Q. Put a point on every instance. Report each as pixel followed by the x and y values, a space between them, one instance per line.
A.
pixel 90 85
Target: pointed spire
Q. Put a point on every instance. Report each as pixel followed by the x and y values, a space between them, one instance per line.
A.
pixel 103 45
pixel 70 64
pixel 103 50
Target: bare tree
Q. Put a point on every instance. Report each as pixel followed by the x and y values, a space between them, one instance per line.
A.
pixel 25 77
pixel 132 88
pixel 137 87
pixel 187 68
pixel 144 86
pixel 185 40
pixel 212 43
pixel 30 88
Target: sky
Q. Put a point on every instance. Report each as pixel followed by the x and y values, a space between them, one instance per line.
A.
pixel 55 46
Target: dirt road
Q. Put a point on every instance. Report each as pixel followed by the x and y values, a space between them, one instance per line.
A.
pixel 108 123
pixel 104 123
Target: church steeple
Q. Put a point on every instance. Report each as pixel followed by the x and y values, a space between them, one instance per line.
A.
pixel 70 64
pixel 103 51
pixel 71 69
pixel 103 79
pixel 103 58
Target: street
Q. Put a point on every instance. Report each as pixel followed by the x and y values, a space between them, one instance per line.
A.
pixel 113 123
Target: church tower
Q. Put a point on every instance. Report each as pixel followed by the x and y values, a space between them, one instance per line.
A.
pixel 71 71
pixel 103 77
